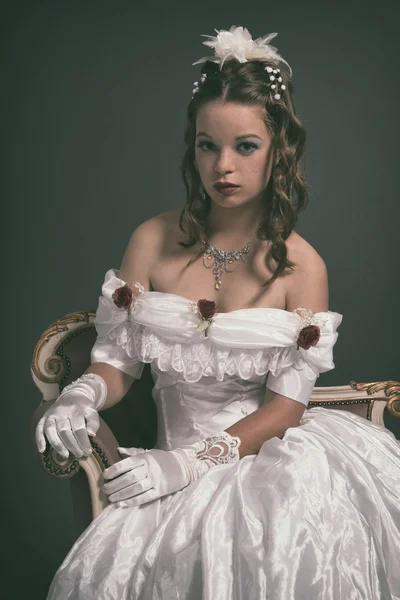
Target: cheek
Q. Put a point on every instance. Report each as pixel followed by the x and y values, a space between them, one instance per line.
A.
pixel 258 167
pixel 203 160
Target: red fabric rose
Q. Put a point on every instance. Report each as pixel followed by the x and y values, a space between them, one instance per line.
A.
pixel 207 308
pixel 123 296
pixel 308 337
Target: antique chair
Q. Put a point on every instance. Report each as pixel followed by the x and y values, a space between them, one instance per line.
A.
pixel 63 353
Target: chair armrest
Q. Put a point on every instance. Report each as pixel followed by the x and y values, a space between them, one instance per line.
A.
pixel 60 356
pixel 369 400
pixel 105 453
pixel 104 446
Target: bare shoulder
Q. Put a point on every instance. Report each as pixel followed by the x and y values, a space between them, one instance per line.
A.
pixel 307 287
pixel 143 249
pixel 304 255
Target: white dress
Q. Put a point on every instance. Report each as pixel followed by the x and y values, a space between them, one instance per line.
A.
pixel 313 516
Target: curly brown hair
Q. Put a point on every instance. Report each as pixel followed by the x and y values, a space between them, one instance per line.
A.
pixel 248 84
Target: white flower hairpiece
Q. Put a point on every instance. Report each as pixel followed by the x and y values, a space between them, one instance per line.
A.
pixel 238 43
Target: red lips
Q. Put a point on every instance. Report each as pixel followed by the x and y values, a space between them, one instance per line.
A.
pixel 221 184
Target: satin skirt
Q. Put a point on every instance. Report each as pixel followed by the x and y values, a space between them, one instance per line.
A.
pixel 313 516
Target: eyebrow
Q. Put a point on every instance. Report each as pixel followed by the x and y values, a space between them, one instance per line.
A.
pixel 239 137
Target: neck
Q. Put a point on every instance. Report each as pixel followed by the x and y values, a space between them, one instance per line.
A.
pixel 231 228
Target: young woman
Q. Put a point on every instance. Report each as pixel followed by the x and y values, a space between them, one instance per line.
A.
pixel 246 494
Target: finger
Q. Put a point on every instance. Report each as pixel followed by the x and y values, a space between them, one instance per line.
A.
pixel 93 422
pixel 67 437
pixel 81 434
pixel 139 500
pixel 122 466
pixel 132 490
pixel 39 437
pixel 125 480
pixel 50 430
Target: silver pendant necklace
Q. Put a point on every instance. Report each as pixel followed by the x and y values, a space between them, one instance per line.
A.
pixel 222 260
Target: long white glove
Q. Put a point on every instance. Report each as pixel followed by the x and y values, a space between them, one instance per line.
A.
pixel 64 422
pixel 150 474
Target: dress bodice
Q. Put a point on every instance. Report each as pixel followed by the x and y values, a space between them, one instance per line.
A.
pixel 206 381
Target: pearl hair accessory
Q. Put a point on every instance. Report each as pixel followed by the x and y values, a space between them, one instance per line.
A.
pixel 196 83
pixel 237 43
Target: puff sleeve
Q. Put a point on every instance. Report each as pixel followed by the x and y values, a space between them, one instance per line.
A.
pixel 115 329
pixel 295 375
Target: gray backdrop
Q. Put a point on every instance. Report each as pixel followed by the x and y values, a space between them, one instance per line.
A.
pixel 94 97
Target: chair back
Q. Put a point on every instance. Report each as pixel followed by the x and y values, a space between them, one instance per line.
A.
pixel 62 354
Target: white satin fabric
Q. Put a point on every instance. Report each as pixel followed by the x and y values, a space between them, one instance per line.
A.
pixel 248 344
pixel 312 516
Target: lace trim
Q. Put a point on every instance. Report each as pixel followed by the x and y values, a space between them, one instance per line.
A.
pixel 219 449
pixel 204 358
pixel 308 318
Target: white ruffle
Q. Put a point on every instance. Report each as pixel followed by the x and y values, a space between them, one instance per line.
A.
pixel 242 343
pixel 193 361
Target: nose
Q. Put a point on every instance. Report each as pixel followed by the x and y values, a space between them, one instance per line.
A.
pixel 224 163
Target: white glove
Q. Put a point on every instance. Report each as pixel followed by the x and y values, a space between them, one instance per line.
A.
pixel 64 422
pixel 150 474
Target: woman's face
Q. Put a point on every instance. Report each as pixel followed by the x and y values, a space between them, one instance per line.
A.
pixel 221 155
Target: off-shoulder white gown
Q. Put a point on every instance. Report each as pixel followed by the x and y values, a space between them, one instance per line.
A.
pixel 312 516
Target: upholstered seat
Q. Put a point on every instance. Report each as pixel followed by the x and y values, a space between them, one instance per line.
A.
pixel 63 353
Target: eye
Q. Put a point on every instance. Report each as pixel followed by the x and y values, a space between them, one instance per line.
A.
pixel 203 144
pixel 252 146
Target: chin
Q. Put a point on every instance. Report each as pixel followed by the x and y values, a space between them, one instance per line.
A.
pixel 228 201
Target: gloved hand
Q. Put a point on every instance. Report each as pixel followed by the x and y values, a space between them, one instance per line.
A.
pixel 150 474
pixel 64 422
